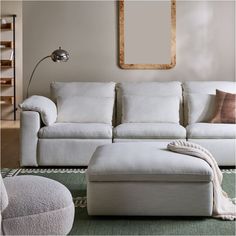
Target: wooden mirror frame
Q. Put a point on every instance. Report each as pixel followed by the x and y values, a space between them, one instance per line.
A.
pixel 122 63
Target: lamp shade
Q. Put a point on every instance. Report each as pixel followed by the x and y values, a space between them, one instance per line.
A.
pixel 60 55
pixel 57 56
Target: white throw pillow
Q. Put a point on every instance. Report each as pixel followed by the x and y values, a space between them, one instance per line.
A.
pixel 143 109
pixel 201 107
pixel 85 109
pixel 43 105
pixel 149 89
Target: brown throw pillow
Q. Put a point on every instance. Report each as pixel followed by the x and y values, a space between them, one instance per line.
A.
pixel 225 108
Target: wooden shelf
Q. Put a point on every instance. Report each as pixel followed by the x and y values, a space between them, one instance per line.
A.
pixel 6 82
pixel 6 45
pixel 7 26
pixel 8 63
pixel 7 100
pixel 5 64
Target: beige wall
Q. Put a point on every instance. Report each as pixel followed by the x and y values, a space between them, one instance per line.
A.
pixel 89 31
pixel 156 48
pixel 13 7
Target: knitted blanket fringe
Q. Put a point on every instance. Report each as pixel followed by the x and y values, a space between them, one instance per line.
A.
pixel 223 207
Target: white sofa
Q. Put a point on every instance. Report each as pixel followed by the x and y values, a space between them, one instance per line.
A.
pixel 147 111
pixel 219 139
pixel 142 121
pixel 68 143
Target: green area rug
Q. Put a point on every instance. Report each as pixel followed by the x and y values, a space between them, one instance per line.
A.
pixel 74 180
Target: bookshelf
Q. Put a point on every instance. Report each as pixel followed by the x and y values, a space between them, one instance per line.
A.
pixel 7 46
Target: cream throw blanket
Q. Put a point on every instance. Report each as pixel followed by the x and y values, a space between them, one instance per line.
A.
pixel 223 207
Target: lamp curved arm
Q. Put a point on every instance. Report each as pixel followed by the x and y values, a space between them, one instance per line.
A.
pixel 31 77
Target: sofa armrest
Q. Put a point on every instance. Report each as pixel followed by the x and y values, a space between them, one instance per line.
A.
pixel 30 124
pixel 43 105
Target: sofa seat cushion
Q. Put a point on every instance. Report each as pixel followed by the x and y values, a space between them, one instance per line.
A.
pixel 77 130
pixel 150 131
pixel 37 205
pixel 145 162
pixel 212 131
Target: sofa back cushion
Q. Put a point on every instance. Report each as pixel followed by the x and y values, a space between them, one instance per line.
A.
pixel 147 89
pixel 199 99
pixel 84 102
pixel 85 89
pixel 78 109
pixel 143 109
pixel 200 107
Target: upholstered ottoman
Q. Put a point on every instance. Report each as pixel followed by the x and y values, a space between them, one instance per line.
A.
pixel 33 205
pixel 142 179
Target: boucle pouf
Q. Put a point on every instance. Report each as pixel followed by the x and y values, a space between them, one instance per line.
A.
pixel 37 206
pixel 143 179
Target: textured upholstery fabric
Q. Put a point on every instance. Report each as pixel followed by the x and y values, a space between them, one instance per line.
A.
pixel 150 198
pixel 152 89
pixel 76 130
pixel 84 101
pixel 219 139
pixel 67 152
pixel 86 89
pixel 145 162
pixel 58 222
pixel 162 143
pixel 223 150
pixel 29 195
pixel 201 107
pixel 3 201
pixel 43 105
pixel 30 125
pixel 225 108
pixel 149 131
pixel 223 207
pixel 149 89
pixel 85 109
pixel 209 87
pixel 211 131
pixel 37 205
pixel 141 179
pixel 3 196
pixel 159 109
pixel 66 149
pixel 204 87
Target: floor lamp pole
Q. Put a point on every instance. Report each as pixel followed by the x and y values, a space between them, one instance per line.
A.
pixel 32 74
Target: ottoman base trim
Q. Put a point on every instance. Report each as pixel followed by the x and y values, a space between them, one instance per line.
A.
pixel 150 198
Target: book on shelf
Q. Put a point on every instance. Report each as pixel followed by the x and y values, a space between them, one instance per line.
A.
pixel 11 55
pixel 3 21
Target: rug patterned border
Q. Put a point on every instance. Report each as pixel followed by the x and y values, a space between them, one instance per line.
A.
pixel 6 172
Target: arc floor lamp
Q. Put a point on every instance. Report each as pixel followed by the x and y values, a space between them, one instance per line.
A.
pixel 58 55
